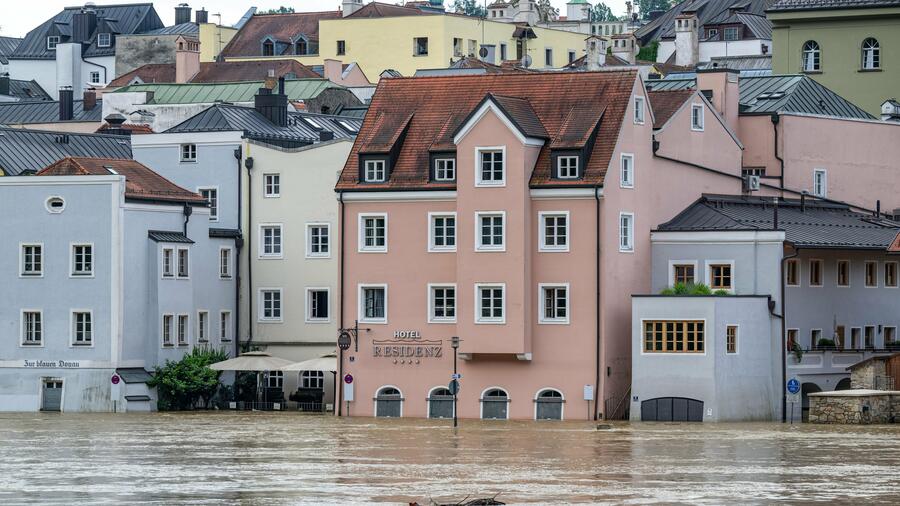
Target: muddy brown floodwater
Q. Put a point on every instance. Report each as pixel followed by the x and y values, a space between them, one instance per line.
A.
pixel 284 458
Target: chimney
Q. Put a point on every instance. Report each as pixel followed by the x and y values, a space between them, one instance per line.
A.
pixel 625 47
pixel 325 135
pixel 89 100
pixel 187 59
pixel 723 90
pixel 114 124
pixel 333 70
pixel 687 39
pixel 65 103
pixel 202 16
pixel 182 14
pixel 84 22
pixel 4 84
pixel 272 105
pixel 595 52
pixel 351 6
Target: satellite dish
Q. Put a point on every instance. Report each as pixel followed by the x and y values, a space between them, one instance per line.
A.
pixel 483 52
pixel 526 61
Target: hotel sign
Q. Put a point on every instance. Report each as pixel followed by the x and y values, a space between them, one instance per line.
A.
pixel 407 347
pixel 51 364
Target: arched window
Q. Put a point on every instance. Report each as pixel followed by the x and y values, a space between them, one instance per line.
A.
pixel 494 404
pixel 548 405
pixel 389 402
pixel 268 48
pixel 871 54
pixel 312 379
pixel 440 403
pixel 811 56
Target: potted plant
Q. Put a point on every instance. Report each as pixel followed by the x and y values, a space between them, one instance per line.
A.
pixel 825 344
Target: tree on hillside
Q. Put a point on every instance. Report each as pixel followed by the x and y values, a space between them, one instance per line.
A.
pixel 647 6
pixel 280 10
pixel 601 12
pixel 469 8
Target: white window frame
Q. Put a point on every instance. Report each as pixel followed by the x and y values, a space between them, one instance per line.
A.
pixel 866 274
pixel 72 342
pixel 309 300
pixel 479 320
pixel 824 176
pixel 52 42
pixel 837 273
pixel 626 182
pixel 22 246
pixel 799 264
pixel 896 273
pixel 884 328
pixel 821 273
pixel 542 231
pixel 170 327
pixel 446 162
pixel 202 330
pixel 187 270
pixel 316 376
pixel 562 405
pixel 229 256
pixel 416 52
pixel 431 303
pixel 629 248
pixel 361 303
pixel 309 235
pixel 479 182
pixel 542 304
pixel 673 263
pixel 213 210
pixel 100 39
pixel 192 157
pixel 22 341
pixel 569 158
pixel 697 126
pixel 737 337
pixel 262 243
pixel 187 329
pixel 94 77
pixel 270 183
pixel 639 114
pixel 548 57
pixel 172 263
pixel 72 272
pixel 361 239
pixel 373 164
pixel 432 247
pixel 261 305
pixel 707 269
pixel 479 247
pixel 225 330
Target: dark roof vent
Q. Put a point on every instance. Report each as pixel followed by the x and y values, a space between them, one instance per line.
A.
pixel 66 101
pixel 201 16
pixel 115 119
pixel 326 135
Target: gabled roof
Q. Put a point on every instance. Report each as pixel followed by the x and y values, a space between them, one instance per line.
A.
pixel 813 5
pixel 301 126
pixel 201 93
pixel 31 150
pixel 518 110
pixel 666 103
pixel 141 183
pixel 26 90
pixel 217 72
pixel 708 12
pixel 124 19
pixel 815 225
pixel 180 29
pixel 16 113
pixel 436 108
pixel 7 46
pixel 787 93
pixel 384 10
pixel 280 27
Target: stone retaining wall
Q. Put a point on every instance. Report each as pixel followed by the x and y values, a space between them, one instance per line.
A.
pixel 854 407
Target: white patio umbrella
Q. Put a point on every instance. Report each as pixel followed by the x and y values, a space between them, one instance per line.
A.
pixel 325 363
pixel 251 361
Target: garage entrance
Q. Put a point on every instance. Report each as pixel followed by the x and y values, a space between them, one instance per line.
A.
pixel 672 409
pixel 51 398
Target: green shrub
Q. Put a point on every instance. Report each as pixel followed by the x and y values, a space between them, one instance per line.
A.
pixel 648 52
pixel 721 292
pixel 188 382
pixel 825 342
pixel 689 289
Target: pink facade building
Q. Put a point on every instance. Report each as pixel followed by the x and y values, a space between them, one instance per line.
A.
pixel 512 211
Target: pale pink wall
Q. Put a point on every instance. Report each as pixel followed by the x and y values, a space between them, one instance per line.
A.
pixel 758 137
pixel 333 70
pixel 714 147
pixel 725 96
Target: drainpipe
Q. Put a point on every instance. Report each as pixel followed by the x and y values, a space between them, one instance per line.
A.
pixel 783 283
pixel 597 324
pixel 238 245
pixel 340 376
pixel 187 211
pixel 775 120
pixel 248 163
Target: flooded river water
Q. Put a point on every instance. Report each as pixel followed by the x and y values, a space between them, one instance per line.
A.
pixel 283 458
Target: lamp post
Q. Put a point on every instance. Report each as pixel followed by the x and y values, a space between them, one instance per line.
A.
pixel 454 343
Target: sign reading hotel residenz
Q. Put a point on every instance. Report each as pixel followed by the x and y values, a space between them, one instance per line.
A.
pixel 407 347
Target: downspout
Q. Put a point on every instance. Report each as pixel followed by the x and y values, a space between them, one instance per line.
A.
pixel 775 120
pixel 238 244
pixel 597 323
pixel 340 376
pixel 784 260
pixel 96 65
pixel 187 211
pixel 248 163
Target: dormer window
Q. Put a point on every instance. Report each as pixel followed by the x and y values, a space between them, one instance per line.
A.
pixel 104 40
pixel 268 48
pixel 52 41
pixel 301 46
pixel 374 171
pixel 567 167
pixel 445 169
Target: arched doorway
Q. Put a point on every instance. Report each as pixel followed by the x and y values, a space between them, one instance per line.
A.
pixel 548 405
pixel 389 402
pixel 440 403
pixel 805 390
pixel 672 409
pixel 494 404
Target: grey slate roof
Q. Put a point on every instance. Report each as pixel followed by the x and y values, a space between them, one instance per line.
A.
pixel 121 19
pixel 7 46
pixel 779 93
pixel 301 126
pixel 181 29
pixel 134 375
pixel 27 91
pixel 15 113
pixel 708 12
pixel 32 150
pixel 168 236
pixel 810 5
pixel 820 225
pixel 754 62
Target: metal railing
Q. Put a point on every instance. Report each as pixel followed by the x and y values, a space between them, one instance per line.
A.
pixel 616 408
pixel 305 407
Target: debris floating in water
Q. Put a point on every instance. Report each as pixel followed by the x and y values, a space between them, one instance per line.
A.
pixel 604 426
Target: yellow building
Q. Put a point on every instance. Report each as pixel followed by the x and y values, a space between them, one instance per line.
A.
pixel 213 39
pixel 381 36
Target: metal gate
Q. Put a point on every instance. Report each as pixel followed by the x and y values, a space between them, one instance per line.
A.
pixel 672 409
pixel 51 400
pixel 440 404
pixel 495 405
pixel 388 403
pixel 548 405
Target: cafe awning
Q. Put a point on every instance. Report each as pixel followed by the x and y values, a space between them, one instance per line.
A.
pixel 326 363
pixel 251 361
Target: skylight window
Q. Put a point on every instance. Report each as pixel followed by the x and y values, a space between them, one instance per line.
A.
pixel 313 123
pixel 350 127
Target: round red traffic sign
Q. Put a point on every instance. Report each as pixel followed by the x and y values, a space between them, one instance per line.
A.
pixel 115 379
pixel 348 379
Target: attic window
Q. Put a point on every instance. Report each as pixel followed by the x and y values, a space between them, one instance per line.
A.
pixel 374 172
pixel 268 48
pixel 104 40
pixel 301 46
pixel 52 41
pixel 55 205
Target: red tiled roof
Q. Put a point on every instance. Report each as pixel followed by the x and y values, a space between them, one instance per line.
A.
pixel 382 10
pixel 522 114
pixel 218 72
pixel 435 107
pixel 666 103
pixel 131 127
pixel 149 73
pixel 140 182
pixel 283 27
pixel 895 245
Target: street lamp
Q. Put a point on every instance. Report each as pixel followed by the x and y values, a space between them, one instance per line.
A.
pixel 454 383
